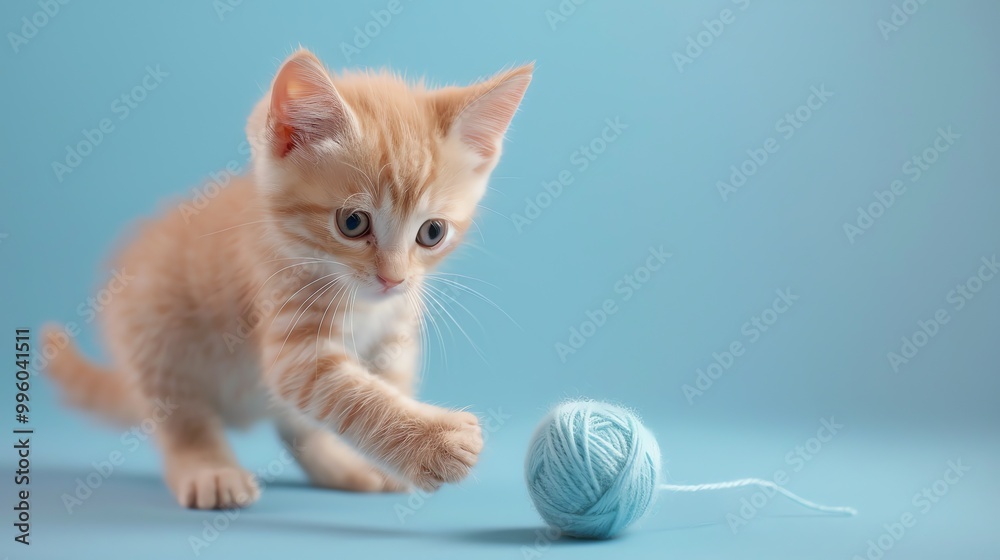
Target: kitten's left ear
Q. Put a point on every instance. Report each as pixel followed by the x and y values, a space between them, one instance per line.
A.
pixel 305 107
pixel 479 114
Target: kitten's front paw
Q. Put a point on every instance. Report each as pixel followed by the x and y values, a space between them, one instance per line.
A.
pixel 446 450
pixel 215 487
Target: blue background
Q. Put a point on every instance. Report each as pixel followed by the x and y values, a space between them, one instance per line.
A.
pixel 654 185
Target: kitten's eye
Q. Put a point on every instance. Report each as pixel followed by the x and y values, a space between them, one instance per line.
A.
pixel 431 232
pixel 353 223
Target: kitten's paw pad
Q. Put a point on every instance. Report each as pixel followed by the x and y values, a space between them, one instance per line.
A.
pixel 216 488
pixel 448 450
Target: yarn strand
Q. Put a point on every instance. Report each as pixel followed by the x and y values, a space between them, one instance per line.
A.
pixel 843 510
pixel 593 469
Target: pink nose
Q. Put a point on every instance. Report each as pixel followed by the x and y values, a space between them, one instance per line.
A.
pixel 388 283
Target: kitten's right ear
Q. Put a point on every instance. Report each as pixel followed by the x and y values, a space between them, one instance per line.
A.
pixel 305 106
pixel 478 115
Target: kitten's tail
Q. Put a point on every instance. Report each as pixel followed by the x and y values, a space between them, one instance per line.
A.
pixel 85 385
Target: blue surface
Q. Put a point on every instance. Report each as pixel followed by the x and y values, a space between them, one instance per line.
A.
pixel 654 184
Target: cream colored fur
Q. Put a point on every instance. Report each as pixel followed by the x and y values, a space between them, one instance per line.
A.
pixel 258 307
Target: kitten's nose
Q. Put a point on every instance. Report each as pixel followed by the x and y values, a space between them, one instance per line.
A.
pixel 388 283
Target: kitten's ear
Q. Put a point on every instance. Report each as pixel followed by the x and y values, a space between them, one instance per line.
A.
pixel 480 114
pixel 305 106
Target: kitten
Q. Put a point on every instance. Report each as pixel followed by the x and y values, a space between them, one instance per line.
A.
pixel 294 294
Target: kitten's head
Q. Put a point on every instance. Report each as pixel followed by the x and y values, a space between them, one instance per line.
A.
pixel 380 176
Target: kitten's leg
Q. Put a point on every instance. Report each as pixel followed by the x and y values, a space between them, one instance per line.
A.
pixel 328 461
pixel 201 469
pixel 395 359
pixel 424 444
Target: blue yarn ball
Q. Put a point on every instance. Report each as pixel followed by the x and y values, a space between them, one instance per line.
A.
pixel 592 469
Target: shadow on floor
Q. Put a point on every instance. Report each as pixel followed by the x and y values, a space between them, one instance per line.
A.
pixel 132 499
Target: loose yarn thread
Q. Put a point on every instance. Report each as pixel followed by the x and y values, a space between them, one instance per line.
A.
pixel 593 469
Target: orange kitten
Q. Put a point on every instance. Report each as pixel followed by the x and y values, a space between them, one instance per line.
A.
pixel 294 295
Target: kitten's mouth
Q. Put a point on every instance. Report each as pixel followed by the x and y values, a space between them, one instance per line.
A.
pixel 376 291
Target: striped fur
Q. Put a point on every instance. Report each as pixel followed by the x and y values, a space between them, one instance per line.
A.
pixel 256 306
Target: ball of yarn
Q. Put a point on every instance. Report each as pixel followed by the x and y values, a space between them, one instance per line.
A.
pixel 592 469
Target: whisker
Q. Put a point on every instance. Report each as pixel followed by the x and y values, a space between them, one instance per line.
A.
pixel 364 198
pixel 473 246
pixel 313 298
pixel 504 216
pixel 462 330
pixel 378 178
pixel 460 286
pixel 479 230
pixel 420 324
pixel 261 288
pixel 464 333
pixel 323 319
pixel 436 274
pixel 333 320
pixel 291 297
pixel 459 303
pixel 433 308
pixel 437 329
pixel 236 226
pixel 353 300
pixel 363 174
pixel 295 320
pixel 421 330
pixel 313 259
